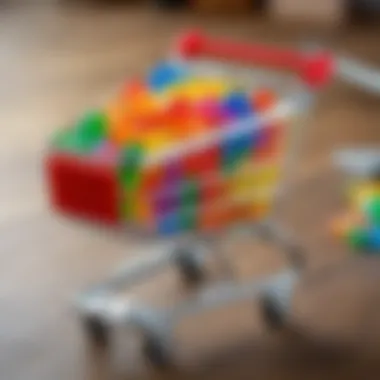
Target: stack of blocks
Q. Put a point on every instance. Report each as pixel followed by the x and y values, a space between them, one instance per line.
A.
pixel 164 155
pixel 360 226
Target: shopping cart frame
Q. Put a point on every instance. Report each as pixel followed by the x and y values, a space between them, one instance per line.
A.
pixel 101 310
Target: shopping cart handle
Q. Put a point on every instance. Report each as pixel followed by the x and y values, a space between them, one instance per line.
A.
pixel 316 69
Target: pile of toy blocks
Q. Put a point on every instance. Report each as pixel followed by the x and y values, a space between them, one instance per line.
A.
pixel 359 226
pixel 175 151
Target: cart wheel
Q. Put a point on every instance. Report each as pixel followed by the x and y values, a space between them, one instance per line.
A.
pixel 272 315
pixel 156 353
pixel 96 330
pixel 191 267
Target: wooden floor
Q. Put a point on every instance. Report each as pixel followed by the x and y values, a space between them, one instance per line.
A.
pixel 57 61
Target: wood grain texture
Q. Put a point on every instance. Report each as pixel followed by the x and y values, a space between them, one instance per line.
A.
pixel 56 61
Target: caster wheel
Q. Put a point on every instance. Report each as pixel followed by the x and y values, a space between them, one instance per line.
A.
pixel 96 330
pixel 272 316
pixel 156 354
pixel 191 267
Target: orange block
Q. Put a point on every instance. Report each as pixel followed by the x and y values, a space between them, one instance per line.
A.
pixel 213 218
pixel 120 136
pixel 339 226
pixel 263 99
pixel 260 210
pixel 143 213
pixel 133 88
pixel 152 178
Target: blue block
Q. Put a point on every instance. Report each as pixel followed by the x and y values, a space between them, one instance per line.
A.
pixel 239 145
pixel 237 104
pixel 374 239
pixel 164 75
pixel 169 224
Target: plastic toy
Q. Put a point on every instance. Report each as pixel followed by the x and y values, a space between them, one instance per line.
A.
pixel 360 225
pixel 190 151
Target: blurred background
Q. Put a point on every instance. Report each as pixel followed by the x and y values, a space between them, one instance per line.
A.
pixel 60 57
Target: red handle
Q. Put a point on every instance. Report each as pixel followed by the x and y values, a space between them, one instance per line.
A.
pixel 316 69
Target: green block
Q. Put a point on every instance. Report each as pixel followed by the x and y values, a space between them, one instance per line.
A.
pixel 130 165
pixel 189 193
pixel 373 210
pixel 132 155
pixel 188 218
pixel 232 160
pixel 92 127
pixel 85 135
pixel 358 239
pixel 69 140
pixel 130 178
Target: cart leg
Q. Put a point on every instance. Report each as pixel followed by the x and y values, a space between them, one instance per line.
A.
pixel 92 311
pixel 156 352
pixel 96 330
pixel 190 261
pixel 276 301
pixel 154 326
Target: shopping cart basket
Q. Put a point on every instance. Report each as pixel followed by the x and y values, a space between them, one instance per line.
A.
pixel 229 175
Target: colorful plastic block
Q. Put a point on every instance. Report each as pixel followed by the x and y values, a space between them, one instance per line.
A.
pixel 130 166
pixel 235 149
pixel 213 189
pixel 211 111
pixel 189 193
pixel 270 143
pixel 372 208
pixel 263 100
pixel 164 75
pixel 83 188
pixel 358 239
pixel 237 104
pixel 213 217
pixel 202 162
pixel 166 200
pixel 152 178
pixel 169 224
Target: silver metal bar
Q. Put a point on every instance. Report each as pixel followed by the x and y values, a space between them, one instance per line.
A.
pixel 133 271
pixel 229 292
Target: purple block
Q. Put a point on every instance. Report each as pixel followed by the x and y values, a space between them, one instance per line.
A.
pixel 166 199
pixel 172 173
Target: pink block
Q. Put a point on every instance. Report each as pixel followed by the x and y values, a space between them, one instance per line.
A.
pixel 107 152
pixel 211 111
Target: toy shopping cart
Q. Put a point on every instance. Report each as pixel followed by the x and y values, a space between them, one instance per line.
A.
pixel 225 171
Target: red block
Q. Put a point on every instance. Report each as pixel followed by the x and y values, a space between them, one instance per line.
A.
pixel 212 191
pixel 271 143
pixel 205 161
pixel 83 189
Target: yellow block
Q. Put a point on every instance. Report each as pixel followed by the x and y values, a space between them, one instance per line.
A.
pixel 252 176
pixel 254 187
pixel 361 193
pixel 267 174
pixel 156 141
pixel 198 88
